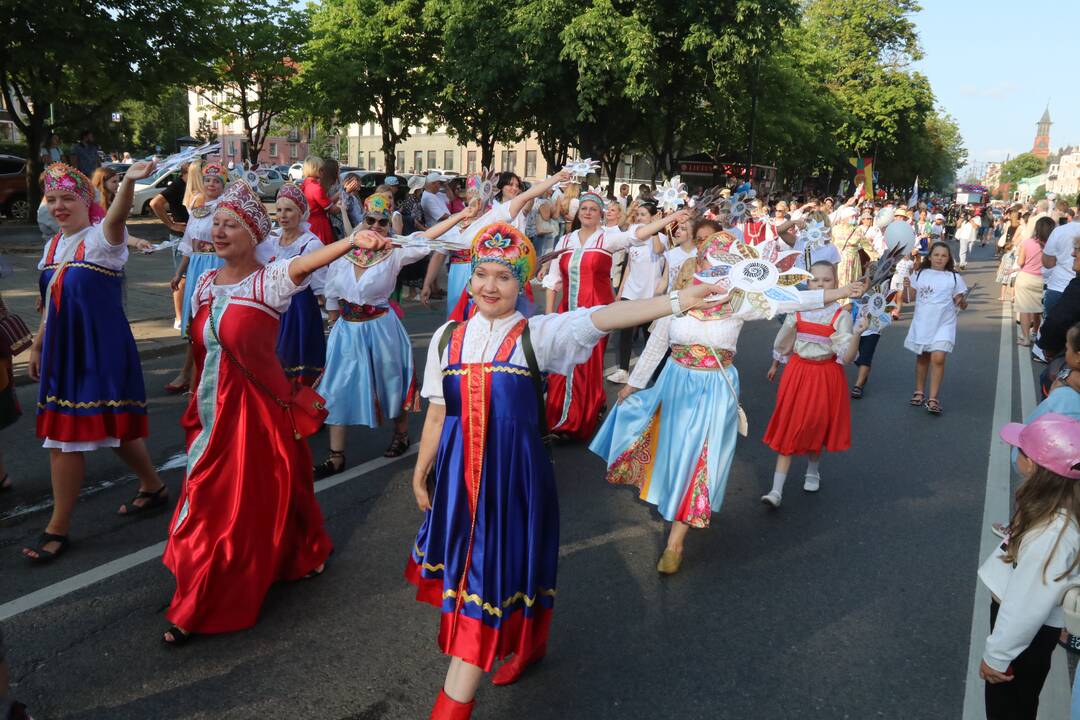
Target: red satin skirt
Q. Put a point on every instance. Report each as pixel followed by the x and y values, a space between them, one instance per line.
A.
pixel 813 409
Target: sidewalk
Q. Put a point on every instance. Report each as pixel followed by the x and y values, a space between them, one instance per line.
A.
pixel 149 298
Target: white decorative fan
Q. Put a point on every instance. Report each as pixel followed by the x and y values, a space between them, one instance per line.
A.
pixel 671 195
pixel 766 273
pixel 582 168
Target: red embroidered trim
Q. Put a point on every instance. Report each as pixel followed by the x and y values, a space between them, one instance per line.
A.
pixel 506 349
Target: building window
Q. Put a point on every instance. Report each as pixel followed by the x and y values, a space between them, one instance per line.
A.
pixel 472 162
pixel 371 161
pixel 400 161
pixel 294 152
pixel 232 147
pixel 431 160
pixel 509 161
pixel 418 161
pixel 360 161
pixel 273 149
pixel 530 163
pixel 628 167
pixel 448 160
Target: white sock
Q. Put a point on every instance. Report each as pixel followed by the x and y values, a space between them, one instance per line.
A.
pixel 778 479
pixel 812 467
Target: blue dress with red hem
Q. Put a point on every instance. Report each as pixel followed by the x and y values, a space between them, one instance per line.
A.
pixel 487 552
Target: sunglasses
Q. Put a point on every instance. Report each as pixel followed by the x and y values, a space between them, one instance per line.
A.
pixel 381 222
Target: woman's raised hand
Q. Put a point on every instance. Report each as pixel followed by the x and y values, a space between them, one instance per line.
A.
pixel 140 170
pixel 693 296
pixel 369 240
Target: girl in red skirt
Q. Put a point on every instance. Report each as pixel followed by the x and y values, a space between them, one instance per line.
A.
pixel 813 410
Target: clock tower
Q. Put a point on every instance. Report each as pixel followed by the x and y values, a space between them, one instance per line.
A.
pixel 1041 147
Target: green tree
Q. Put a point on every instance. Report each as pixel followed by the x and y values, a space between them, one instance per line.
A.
pixel 479 73
pixel 205 132
pixel 147 124
pixel 79 58
pixel 1020 167
pixel 375 70
pixel 254 58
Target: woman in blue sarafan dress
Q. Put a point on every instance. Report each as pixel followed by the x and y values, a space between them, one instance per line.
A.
pixel 487 552
pixel 675 441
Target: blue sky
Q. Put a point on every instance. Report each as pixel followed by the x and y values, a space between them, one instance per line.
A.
pixel 994 64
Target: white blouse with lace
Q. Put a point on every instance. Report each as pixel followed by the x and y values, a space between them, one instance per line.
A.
pixel 198 229
pixel 720 334
pixel 270 286
pixel 308 242
pixel 812 347
pixel 374 284
pixel 560 341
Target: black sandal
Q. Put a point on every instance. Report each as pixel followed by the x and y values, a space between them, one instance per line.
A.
pixel 156 500
pixel 856 392
pixel 5 483
pixel 398 445
pixel 43 555
pixel 328 467
pixel 180 637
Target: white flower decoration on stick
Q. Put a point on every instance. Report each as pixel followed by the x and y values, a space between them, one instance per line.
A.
pixel 877 307
pixel 582 168
pixel 766 273
pixel 671 195
pixel 814 235
pixel 739 204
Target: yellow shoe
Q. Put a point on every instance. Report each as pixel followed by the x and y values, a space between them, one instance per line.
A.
pixel 669 563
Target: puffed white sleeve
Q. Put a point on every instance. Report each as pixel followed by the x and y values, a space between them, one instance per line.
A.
pixel 102 252
pixel 652 355
pixel 410 254
pixel 785 339
pixel 843 335
pixel 1032 593
pixel 185 245
pixel 317 279
pixel 553 279
pixel 499 213
pixel 278 287
pixel 563 341
pixel 432 386
pixel 622 239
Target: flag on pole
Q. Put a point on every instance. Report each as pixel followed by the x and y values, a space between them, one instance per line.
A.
pixel 864 173
pixel 913 201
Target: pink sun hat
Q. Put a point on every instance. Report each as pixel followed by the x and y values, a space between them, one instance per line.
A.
pixel 1052 441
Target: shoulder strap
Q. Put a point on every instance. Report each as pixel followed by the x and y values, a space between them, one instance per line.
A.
pixel 537 378
pixel 836 314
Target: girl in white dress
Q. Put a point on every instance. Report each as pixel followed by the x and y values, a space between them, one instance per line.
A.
pixel 938 292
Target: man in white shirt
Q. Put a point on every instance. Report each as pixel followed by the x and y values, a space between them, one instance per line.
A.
pixel 1057 260
pixel 433 201
pixel 624 196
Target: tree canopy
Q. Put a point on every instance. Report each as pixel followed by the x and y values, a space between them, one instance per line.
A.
pixel 1020 167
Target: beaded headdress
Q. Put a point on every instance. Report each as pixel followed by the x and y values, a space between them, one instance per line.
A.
pixel 295 195
pixel 241 202
pixel 378 205
pixel 506 245
pixel 59 176
pixel 215 170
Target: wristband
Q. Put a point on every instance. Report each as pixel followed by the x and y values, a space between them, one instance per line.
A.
pixel 676 307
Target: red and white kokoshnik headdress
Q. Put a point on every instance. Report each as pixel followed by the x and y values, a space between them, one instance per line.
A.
pixel 241 202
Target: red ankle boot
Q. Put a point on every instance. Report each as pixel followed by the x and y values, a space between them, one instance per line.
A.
pixel 447 708
pixel 509 672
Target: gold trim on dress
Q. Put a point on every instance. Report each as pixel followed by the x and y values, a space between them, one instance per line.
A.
pixel 88 266
pixel 52 399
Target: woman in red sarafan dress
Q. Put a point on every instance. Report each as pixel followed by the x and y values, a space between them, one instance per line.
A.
pixel 318 200
pixel 247 516
pixel 582 274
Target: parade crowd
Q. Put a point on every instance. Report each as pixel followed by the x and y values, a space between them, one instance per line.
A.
pixel 294 325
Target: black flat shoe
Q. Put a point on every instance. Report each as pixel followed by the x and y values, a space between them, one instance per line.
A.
pixel 180 638
pixel 328 467
pixel 156 500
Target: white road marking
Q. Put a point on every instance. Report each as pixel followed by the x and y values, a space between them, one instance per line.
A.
pixel 114 567
pixel 995 509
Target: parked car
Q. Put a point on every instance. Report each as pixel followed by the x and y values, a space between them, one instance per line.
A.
pixel 13 202
pixel 296 172
pixel 283 169
pixel 120 168
pixel 270 183
pixel 147 188
pixel 369 180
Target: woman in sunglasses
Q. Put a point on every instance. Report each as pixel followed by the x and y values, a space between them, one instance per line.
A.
pixel 369 364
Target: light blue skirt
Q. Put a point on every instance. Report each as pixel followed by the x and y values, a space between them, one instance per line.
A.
pixel 197 265
pixel 369 373
pixel 675 442
pixel 457 277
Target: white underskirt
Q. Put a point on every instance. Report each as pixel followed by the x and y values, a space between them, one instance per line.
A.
pixel 72 447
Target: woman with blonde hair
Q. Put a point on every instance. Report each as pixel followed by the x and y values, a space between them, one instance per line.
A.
pixel 193 185
pixel 317 194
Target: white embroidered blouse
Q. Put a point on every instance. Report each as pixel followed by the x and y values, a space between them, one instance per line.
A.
pixel 96 249
pixel 308 242
pixel 561 341
pixel 198 229
pixel 722 334
pixel 810 347
pixel 374 285
pixel 602 239
pixel 270 285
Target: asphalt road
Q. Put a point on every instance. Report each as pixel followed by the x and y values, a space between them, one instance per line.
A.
pixel 854 603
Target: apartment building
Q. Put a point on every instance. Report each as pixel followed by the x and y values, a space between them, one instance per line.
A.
pixel 286 149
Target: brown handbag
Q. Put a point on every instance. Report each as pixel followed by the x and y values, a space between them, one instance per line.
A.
pixel 306 408
pixel 15 336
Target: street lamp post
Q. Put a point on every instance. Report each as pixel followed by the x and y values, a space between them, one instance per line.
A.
pixel 753 119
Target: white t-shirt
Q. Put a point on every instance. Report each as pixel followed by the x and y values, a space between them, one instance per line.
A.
pixel 434 206
pixel 643 268
pixel 675 257
pixel 1060 244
